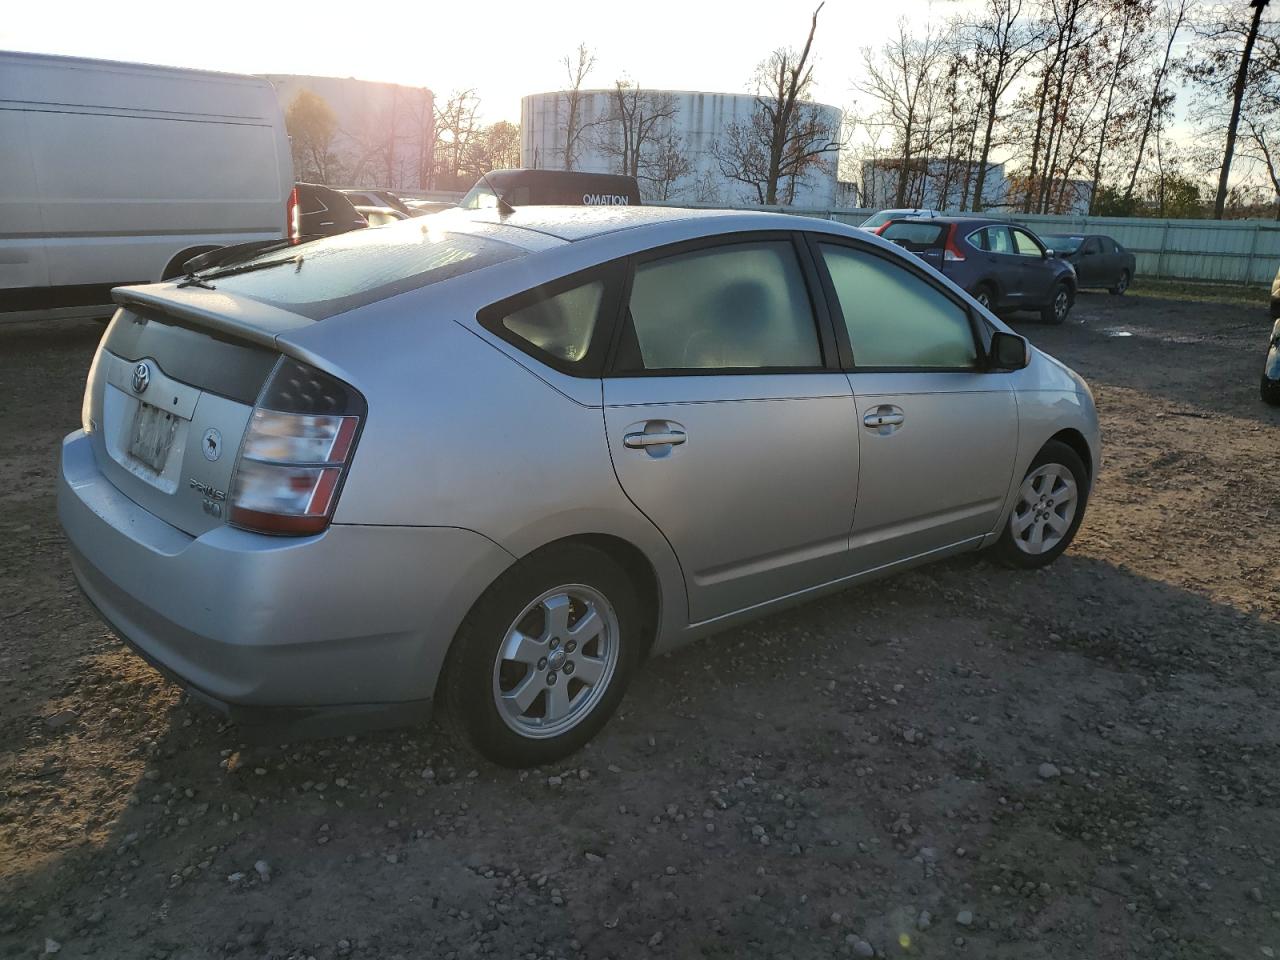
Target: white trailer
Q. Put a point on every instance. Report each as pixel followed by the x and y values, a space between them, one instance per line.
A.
pixel 117 173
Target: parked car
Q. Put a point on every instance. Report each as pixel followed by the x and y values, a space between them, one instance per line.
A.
pixel 319 211
pixel 1099 260
pixel 313 505
pixel 533 188
pixel 1004 266
pixel 1275 296
pixel 380 216
pixel 114 173
pixel 379 198
pixel 879 219
pixel 1271 367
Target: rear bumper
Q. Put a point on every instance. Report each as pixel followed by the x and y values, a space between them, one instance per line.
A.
pixel 350 625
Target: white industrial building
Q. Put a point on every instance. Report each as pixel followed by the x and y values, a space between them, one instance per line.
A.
pixel 385 131
pixel 700 123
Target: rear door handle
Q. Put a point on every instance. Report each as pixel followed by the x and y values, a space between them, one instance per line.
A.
pixel 638 441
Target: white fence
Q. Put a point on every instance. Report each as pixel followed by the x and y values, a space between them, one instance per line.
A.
pixel 1210 251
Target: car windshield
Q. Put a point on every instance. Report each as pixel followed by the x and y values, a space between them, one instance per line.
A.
pixel 479 197
pixel 336 274
pixel 1063 244
pixel 915 233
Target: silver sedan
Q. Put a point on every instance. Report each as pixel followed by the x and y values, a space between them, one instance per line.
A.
pixel 493 460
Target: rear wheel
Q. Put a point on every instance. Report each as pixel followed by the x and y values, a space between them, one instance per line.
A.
pixel 1059 305
pixel 985 296
pixel 544 657
pixel 1047 512
pixel 1121 285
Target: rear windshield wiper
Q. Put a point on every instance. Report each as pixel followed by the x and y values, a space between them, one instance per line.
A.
pixel 203 280
pixel 232 254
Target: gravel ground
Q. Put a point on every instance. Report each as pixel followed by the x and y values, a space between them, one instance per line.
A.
pixel 960 762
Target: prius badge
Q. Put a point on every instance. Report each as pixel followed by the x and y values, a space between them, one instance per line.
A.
pixel 141 377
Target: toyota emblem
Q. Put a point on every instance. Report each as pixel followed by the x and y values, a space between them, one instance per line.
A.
pixel 141 377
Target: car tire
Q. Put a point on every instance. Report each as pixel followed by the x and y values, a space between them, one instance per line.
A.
pixel 986 296
pixel 1121 285
pixel 1270 391
pixel 514 686
pixel 1059 305
pixel 1043 522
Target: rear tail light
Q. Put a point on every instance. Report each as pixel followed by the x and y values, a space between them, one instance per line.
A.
pixel 296 452
pixel 952 250
pixel 292 218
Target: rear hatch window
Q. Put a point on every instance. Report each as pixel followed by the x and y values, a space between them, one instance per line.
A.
pixel 916 236
pixel 325 277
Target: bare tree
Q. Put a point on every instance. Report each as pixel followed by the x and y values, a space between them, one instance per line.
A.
pixel 786 136
pixel 577 66
pixel 901 81
pixel 639 134
pixel 312 126
pixel 456 127
pixel 1003 43
pixel 1173 18
pixel 495 147
pixel 1228 35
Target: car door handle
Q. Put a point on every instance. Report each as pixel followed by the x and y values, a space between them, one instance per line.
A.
pixel 884 417
pixel 638 441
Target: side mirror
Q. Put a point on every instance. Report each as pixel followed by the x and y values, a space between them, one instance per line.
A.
pixel 1049 254
pixel 1008 352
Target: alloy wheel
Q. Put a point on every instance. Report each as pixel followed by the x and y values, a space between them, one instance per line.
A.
pixel 1046 507
pixel 556 661
pixel 1061 303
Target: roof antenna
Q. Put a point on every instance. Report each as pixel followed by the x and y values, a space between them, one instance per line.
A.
pixel 505 207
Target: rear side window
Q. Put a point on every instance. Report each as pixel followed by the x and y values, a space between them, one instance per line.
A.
pixel 916 234
pixel 993 239
pixel 896 319
pixel 559 326
pixel 741 306
pixel 566 323
pixel 336 274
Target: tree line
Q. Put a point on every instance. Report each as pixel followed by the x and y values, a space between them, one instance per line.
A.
pixel 1166 108
pixel 1080 99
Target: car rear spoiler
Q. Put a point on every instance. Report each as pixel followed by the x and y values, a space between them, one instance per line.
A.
pixel 238 317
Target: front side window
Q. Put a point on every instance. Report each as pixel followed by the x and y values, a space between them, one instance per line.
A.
pixel 895 318
pixel 741 306
pixel 1026 244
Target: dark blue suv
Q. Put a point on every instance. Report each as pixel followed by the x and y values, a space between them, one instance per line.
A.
pixel 1003 266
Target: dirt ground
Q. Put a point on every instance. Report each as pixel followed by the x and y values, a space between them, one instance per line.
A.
pixel 961 762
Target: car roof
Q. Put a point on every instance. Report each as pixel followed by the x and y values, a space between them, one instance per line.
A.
pixel 963 221
pixel 573 223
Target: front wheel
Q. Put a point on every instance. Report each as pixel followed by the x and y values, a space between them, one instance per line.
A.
pixel 1121 285
pixel 1059 305
pixel 1047 512
pixel 544 657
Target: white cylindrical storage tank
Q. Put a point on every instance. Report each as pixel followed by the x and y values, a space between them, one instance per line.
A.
pixel 685 155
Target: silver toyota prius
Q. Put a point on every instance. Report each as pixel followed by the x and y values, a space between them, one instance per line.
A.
pixel 494 459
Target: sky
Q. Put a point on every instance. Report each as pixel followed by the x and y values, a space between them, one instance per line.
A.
pixel 502 49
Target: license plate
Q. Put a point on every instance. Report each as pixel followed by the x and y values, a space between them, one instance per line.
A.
pixel 152 438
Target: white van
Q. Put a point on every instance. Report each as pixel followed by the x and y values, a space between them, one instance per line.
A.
pixel 117 173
